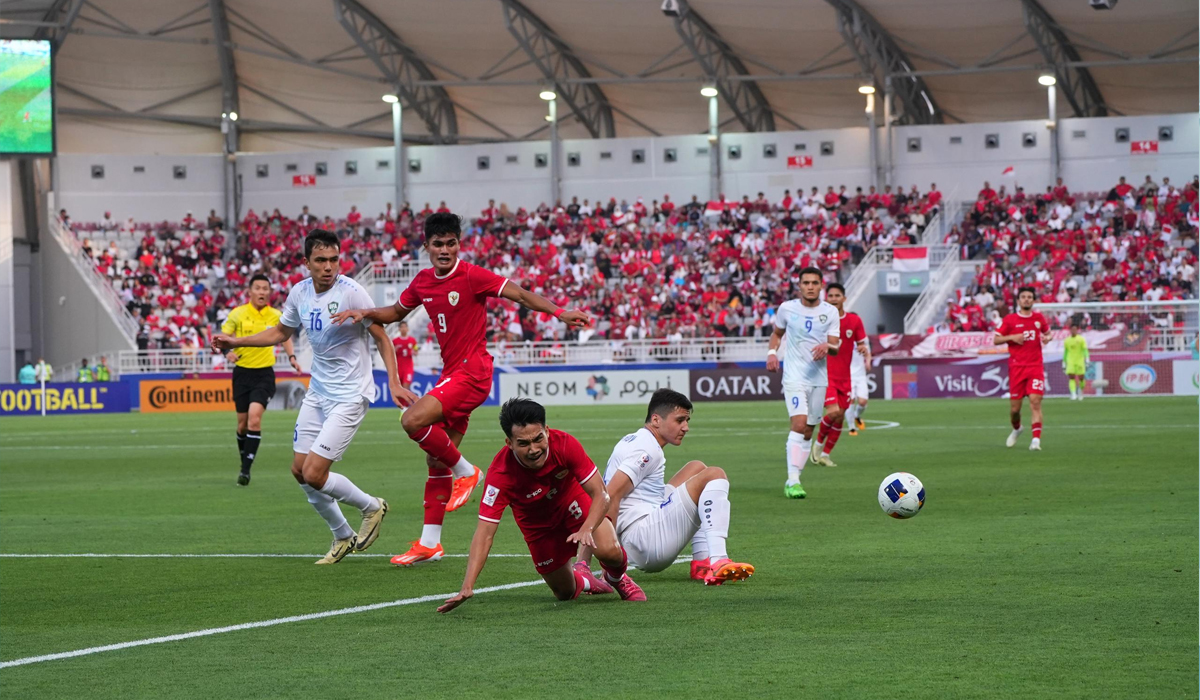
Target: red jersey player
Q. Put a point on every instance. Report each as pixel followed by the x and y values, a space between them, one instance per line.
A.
pixel 558 500
pixel 1025 332
pixel 454 293
pixel 837 395
pixel 406 353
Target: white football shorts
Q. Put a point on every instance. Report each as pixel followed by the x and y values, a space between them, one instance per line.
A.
pixel 653 542
pixel 858 386
pixel 326 427
pixel 805 401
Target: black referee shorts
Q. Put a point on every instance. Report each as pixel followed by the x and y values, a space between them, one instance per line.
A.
pixel 252 385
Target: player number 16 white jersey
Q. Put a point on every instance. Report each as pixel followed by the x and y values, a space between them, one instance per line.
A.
pixel 805 327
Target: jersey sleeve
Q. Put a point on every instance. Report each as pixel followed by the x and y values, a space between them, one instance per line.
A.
pixel 291 311
pixel 484 282
pixel 581 465
pixel 495 500
pixel 835 326
pixel 1005 327
pixel 860 333
pixel 409 299
pixel 359 299
pixel 635 464
pixel 781 319
pixel 229 327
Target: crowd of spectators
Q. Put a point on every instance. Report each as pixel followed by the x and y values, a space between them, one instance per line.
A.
pixel 1126 244
pixel 702 269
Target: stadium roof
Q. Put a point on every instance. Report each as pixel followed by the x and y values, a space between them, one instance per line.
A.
pixel 310 73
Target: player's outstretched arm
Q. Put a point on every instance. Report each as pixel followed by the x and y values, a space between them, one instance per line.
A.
pixel 481 546
pixel 618 488
pixel 381 314
pixel 773 350
pixel 1004 339
pixel 400 396
pixel 594 488
pixel 537 302
pixel 264 339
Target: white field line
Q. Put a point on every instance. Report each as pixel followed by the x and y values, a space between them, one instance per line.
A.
pixel 437 597
pixel 106 555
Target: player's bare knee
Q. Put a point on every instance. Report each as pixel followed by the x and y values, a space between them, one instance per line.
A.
pixel 241 422
pixel 254 423
pixel 315 476
pixel 712 473
pixel 608 553
pixel 409 423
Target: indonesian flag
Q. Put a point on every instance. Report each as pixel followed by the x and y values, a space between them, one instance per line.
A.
pixel 910 259
pixel 1010 171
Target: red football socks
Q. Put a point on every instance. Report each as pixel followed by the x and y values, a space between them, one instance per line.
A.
pixel 1037 431
pixel 437 492
pixel 831 436
pixel 436 444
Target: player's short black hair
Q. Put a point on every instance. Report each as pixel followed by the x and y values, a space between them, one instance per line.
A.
pixel 320 237
pixel 663 401
pixel 443 223
pixel 260 277
pixel 520 411
pixel 1022 290
pixel 810 270
pixel 835 285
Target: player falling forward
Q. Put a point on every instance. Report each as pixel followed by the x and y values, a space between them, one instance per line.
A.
pixel 837 395
pixel 454 293
pixel 1025 332
pixel 1075 359
pixel 655 521
pixel 813 331
pixel 338 394
pixel 550 482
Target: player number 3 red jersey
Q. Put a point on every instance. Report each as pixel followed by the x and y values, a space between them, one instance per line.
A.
pixel 1031 328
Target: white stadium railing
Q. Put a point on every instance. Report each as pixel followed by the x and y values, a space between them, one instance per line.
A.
pixel 102 287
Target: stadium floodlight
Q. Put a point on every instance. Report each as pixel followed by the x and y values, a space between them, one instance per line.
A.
pixel 390 99
pixel 1047 79
pixel 549 118
pixel 866 89
pixel 548 95
pixel 233 116
pixel 708 91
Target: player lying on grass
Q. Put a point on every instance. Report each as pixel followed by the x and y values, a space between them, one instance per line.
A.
pixel 558 501
pixel 455 294
pixel 341 388
pixel 655 521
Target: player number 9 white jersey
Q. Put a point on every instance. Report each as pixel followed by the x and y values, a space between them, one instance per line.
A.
pixel 805 327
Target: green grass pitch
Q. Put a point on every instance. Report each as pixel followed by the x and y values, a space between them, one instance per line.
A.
pixel 1069 573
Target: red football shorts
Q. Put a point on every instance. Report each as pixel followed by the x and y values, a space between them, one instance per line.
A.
pixel 460 393
pixel 841 398
pixel 549 548
pixel 406 376
pixel 1023 381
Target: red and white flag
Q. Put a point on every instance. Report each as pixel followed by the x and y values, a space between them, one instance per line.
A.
pixel 1010 171
pixel 910 259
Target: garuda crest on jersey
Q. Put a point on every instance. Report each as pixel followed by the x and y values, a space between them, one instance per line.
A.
pixel 453 296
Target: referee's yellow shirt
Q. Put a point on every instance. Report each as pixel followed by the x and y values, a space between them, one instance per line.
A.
pixel 246 320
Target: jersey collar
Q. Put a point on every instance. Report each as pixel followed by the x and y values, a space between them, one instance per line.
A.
pixel 451 272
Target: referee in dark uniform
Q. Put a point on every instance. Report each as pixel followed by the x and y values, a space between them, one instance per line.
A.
pixel 254 371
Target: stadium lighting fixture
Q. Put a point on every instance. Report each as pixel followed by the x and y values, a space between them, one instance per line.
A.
pixel 549 118
pixel 547 95
pixel 233 116
pixel 1047 79
pixel 391 99
pixel 866 89
pixel 708 91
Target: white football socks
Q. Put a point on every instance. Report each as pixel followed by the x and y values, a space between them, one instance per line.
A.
pixel 851 413
pixel 797 454
pixel 431 535
pixel 714 517
pixel 342 489
pixel 699 545
pixel 463 468
pixel 328 509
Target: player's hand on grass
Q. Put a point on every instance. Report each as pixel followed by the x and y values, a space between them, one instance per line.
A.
pixel 222 343
pixel 821 351
pixel 353 315
pixel 575 319
pixel 454 601
pixel 400 396
pixel 772 363
pixel 582 537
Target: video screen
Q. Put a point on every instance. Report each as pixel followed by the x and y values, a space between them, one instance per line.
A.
pixel 26 97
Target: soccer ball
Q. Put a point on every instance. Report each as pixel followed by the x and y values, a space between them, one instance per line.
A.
pixel 901 495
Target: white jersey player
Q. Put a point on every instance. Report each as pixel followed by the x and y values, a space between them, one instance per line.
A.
pixel 656 520
pixel 860 390
pixel 811 330
pixel 339 392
